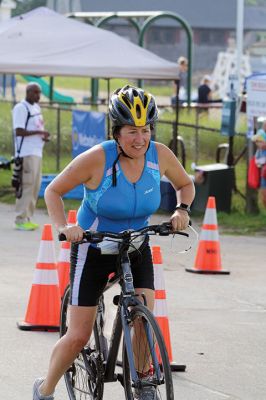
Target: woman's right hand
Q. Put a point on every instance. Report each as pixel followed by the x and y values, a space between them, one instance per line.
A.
pixel 73 233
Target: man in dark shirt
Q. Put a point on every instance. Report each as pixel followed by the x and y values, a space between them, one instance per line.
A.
pixel 204 90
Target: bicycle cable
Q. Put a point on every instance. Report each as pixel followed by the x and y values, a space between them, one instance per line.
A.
pixel 191 245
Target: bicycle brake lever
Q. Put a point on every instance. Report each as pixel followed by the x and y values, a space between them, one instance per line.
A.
pixel 165 229
pixel 169 230
pixel 61 237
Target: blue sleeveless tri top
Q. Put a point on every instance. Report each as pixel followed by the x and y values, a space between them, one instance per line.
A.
pixel 124 206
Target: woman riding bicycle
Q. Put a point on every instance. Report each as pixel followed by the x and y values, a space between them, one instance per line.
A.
pixel 121 179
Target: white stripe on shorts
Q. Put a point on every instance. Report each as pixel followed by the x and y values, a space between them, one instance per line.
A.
pixel 81 259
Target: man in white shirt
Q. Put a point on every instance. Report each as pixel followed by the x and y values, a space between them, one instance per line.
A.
pixel 29 138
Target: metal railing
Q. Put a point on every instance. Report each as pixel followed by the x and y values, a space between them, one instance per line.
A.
pixel 58 121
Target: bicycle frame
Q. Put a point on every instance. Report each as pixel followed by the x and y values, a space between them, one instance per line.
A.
pixel 130 311
pixel 126 299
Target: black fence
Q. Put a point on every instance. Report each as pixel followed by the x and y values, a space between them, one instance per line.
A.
pixel 195 138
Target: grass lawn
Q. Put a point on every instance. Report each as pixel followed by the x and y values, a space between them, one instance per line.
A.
pixel 164 88
pixel 237 221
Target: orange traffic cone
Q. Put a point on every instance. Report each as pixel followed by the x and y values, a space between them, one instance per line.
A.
pixel 63 264
pixel 72 217
pixel 208 258
pixel 43 310
pixel 160 306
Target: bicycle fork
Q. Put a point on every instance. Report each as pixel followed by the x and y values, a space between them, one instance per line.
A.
pixel 125 318
pixel 137 382
pixel 100 321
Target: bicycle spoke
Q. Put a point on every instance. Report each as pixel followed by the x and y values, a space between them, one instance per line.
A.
pixel 150 359
pixel 84 379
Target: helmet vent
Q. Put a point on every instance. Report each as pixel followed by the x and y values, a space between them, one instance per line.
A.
pixel 145 101
pixel 122 112
pixel 126 101
pixel 135 93
pixel 138 111
pixel 151 113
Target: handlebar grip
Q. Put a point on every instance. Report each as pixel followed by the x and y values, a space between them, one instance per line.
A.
pixel 61 237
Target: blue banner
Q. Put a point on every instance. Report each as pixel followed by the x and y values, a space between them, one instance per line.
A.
pixel 88 129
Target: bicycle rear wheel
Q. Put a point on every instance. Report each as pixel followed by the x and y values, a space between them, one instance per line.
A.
pixel 84 378
pixel 149 354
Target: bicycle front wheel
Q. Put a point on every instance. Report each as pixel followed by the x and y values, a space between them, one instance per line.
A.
pixel 84 378
pixel 150 358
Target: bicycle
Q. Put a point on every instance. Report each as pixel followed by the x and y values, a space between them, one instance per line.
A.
pixel 143 343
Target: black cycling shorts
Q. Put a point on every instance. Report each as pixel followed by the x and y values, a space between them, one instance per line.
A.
pixel 90 270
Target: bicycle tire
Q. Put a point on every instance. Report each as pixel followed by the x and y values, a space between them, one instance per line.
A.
pixel 164 390
pixel 79 384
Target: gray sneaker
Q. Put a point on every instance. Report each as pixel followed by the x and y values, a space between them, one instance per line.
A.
pixel 36 393
pixel 146 393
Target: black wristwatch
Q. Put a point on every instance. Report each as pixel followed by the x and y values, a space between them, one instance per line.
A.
pixel 183 206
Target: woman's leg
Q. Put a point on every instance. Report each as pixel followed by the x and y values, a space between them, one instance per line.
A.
pixel 66 349
pixel 140 346
pixel 149 294
pixel 143 278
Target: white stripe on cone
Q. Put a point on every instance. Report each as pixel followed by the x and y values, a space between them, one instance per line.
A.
pixel 158 277
pixel 46 252
pixel 160 308
pixel 64 255
pixel 210 217
pixel 45 277
pixel 210 235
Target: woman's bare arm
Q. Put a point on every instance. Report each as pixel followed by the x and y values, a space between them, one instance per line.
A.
pixel 81 170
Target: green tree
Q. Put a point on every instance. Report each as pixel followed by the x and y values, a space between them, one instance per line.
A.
pixel 255 3
pixel 24 6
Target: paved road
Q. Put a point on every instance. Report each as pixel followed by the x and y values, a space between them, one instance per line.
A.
pixel 217 323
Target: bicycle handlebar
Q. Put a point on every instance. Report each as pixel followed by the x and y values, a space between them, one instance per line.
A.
pixel 164 229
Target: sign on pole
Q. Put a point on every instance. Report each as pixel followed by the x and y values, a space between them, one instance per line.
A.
pixel 88 129
pixel 256 99
pixel 233 87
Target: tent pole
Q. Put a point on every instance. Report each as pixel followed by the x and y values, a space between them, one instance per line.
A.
pixel 108 118
pixel 94 90
pixel 51 89
pixel 175 130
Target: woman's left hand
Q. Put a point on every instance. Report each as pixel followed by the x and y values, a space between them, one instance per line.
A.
pixel 180 220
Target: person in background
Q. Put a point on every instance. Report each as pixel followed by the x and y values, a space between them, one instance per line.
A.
pixel 29 139
pixel 204 90
pixel 121 179
pixel 182 63
pixel 260 158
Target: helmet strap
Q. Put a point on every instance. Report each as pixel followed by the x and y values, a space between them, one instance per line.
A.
pixel 114 179
pixel 122 152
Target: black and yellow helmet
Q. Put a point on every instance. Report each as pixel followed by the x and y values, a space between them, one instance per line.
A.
pixel 132 106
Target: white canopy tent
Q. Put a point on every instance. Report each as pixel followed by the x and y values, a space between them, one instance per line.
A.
pixel 43 42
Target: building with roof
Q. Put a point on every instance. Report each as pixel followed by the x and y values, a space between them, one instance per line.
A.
pixel 213 23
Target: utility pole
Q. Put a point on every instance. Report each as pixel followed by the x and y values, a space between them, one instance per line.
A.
pixel 239 38
pixel 55 5
pixel 251 194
